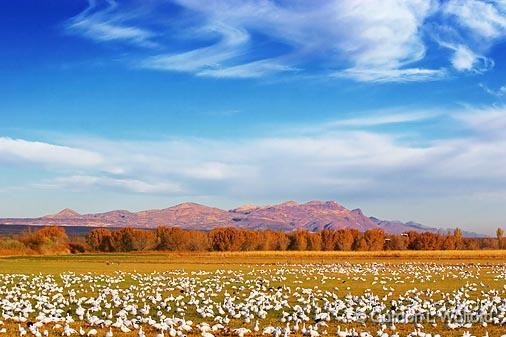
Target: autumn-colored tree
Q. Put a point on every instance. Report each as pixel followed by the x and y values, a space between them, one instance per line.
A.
pixel 144 240
pixel 270 240
pixel 55 240
pixel 449 243
pixel 360 244
pixel 299 240
pixel 470 244
pixel 314 241
pixel 428 241
pixel 346 238
pixel 413 241
pixel 265 240
pixel 170 238
pixel 47 240
pixel 78 244
pixel 500 234
pixel 250 240
pixel 123 240
pixel 396 242
pixel 328 239
pixel 197 241
pixel 488 243
pixel 100 240
pixel 11 246
pixel 457 235
pixel 226 239
pixel 375 239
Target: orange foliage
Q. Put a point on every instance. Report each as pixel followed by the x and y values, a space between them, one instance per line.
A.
pixel 54 240
pixel 48 240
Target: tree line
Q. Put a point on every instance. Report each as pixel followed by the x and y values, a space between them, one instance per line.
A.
pixel 51 240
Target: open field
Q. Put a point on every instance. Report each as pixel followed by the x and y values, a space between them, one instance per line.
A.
pixel 149 262
pixel 258 293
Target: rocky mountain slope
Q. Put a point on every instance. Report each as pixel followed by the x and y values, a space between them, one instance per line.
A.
pixel 288 216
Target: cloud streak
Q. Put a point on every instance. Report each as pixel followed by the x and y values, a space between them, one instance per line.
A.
pixel 361 40
pixel 354 163
pixel 24 151
pixel 383 119
pixel 231 41
pixel 88 182
pixel 105 22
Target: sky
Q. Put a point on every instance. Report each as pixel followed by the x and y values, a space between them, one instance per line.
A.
pixel 395 107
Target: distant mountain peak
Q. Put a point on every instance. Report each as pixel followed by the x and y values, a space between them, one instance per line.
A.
pixel 245 208
pixel 313 216
pixel 189 205
pixel 359 211
pixel 314 203
pixel 65 213
pixel 289 203
pixel 329 204
pixel 398 227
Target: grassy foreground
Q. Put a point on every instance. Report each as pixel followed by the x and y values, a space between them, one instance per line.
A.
pixel 430 275
pixel 149 262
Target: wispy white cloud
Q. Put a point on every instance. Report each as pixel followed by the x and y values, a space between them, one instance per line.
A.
pixel 88 182
pixel 248 70
pixel 485 19
pixel 347 159
pixel 384 119
pixel 109 23
pixel 500 92
pixel 230 46
pixel 380 75
pixel 478 25
pixel 464 58
pixel 344 30
pixel 362 40
pixel 380 46
pixel 489 121
pixel 365 121
pixel 24 151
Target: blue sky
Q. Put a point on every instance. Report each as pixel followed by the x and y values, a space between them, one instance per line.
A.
pixel 396 107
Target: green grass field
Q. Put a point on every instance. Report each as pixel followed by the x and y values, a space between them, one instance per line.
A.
pixel 436 276
pixel 148 262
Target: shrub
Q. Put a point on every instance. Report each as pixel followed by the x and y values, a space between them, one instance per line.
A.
pixel 48 240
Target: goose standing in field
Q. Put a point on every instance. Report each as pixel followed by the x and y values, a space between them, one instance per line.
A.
pixel 21 330
pixel 68 331
pixel 241 332
pixel 141 333
pixel 160 334
pixel 92 332
pixel 125 302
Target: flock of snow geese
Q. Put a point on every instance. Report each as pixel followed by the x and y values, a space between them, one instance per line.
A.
pixel 343 300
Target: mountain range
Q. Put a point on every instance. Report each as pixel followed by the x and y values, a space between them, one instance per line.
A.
pixel 287 216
